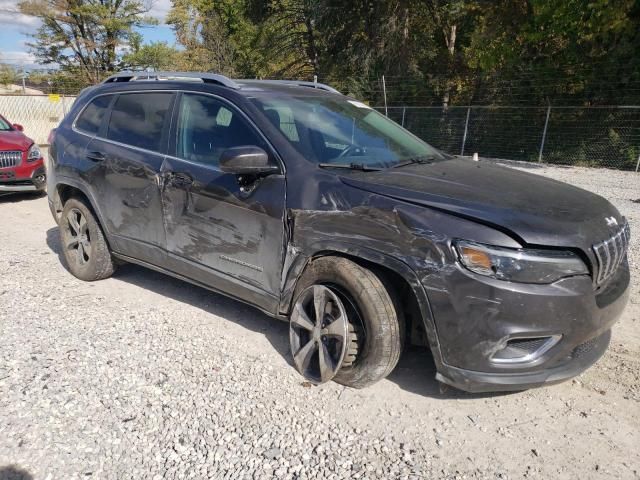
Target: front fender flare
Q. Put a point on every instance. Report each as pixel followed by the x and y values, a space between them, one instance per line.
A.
pixel 297 260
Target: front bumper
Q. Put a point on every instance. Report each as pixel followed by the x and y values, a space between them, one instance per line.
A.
pixel 26 177
pixel 581 358
pixel 476 316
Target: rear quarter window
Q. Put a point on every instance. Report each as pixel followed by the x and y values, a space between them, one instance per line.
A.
pixel 91 117
pixel 138 119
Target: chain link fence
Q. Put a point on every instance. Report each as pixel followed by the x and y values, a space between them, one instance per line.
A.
pixel 586 136
pixel 38 114
pixel 603 136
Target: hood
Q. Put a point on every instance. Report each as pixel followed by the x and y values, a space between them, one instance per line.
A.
pixel 534 209
pixel 14 140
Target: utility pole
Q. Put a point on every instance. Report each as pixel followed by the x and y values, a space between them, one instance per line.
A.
pixel 384 92
pixel 466 129
pixel 544 134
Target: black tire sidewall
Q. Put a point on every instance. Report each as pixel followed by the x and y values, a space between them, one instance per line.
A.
pixel 100 262
pixel 375 308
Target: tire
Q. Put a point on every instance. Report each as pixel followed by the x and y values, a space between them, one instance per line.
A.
pixel 372 316
pixel 87 255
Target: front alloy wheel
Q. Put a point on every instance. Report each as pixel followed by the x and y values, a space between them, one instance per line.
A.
pixel 318 333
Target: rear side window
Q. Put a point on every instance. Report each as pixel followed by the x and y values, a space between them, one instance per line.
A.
pixel 91 117
pixel 138 119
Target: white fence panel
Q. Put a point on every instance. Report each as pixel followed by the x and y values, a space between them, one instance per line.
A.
pixel 38 114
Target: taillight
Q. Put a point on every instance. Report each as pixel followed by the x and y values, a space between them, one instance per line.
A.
pixel 51 137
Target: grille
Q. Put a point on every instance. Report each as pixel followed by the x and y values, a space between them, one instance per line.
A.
pixel 10 158
pixel 584 348
pixel 610 253
pixel 587 347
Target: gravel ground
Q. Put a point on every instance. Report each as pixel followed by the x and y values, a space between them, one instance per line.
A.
pixel 144 376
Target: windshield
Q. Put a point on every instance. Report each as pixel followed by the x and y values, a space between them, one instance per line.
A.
pixel 334 130
pixel 4 125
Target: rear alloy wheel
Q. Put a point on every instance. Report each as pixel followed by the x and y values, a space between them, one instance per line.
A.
pixel 79 237
pixel 318 333
pixel 84 246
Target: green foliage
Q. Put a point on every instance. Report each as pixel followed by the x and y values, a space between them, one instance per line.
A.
pixel 430 52
pixel 442 51
pixel 574 49
pixel 150 56
pixel 208 31
pixel 8 75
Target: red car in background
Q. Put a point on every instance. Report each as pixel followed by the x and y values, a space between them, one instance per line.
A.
pixel 21 162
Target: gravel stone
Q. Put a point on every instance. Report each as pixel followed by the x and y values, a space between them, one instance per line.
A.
pixel 143 376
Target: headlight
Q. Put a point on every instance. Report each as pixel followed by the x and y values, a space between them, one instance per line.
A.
pixel 34 153
pixel 523 266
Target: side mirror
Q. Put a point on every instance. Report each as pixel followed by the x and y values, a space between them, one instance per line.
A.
pixel 18 127
pixel 246 160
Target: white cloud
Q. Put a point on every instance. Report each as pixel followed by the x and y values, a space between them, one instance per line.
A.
pixel 19 58
pixel 159 9
pixel 10 15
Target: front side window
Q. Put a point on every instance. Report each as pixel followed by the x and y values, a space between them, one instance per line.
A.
pixel 332 129
pixel 91 117
pixel 138 119
pixel 207 127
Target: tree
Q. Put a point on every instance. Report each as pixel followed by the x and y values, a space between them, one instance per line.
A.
pixel 289 38
pixel 84 35
pixel 544 50
pixel 151 56
pixel 8 75
pixel 443 52
pixel 200 29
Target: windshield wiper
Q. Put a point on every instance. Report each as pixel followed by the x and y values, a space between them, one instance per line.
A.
pixel 410 161
pixel 350 166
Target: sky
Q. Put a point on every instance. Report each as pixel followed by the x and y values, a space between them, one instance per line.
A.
pixel 15 28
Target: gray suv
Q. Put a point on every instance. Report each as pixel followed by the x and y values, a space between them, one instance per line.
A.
pixel 318 210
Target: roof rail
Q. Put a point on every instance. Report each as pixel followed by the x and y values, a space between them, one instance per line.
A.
pixel 299 83
pixel 204 77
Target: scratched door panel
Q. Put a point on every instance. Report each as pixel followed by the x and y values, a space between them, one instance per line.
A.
pixel 222 232
pixel 128 154
pixel 128 192
pixel 212 223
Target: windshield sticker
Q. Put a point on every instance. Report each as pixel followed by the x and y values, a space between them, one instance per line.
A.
pixel 359 104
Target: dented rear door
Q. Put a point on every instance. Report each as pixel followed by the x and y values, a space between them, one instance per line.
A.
pixel 126 157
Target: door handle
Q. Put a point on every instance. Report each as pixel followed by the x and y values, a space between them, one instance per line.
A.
pixel 96 156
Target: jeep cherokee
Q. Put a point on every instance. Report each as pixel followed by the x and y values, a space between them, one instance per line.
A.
pixel 318 210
